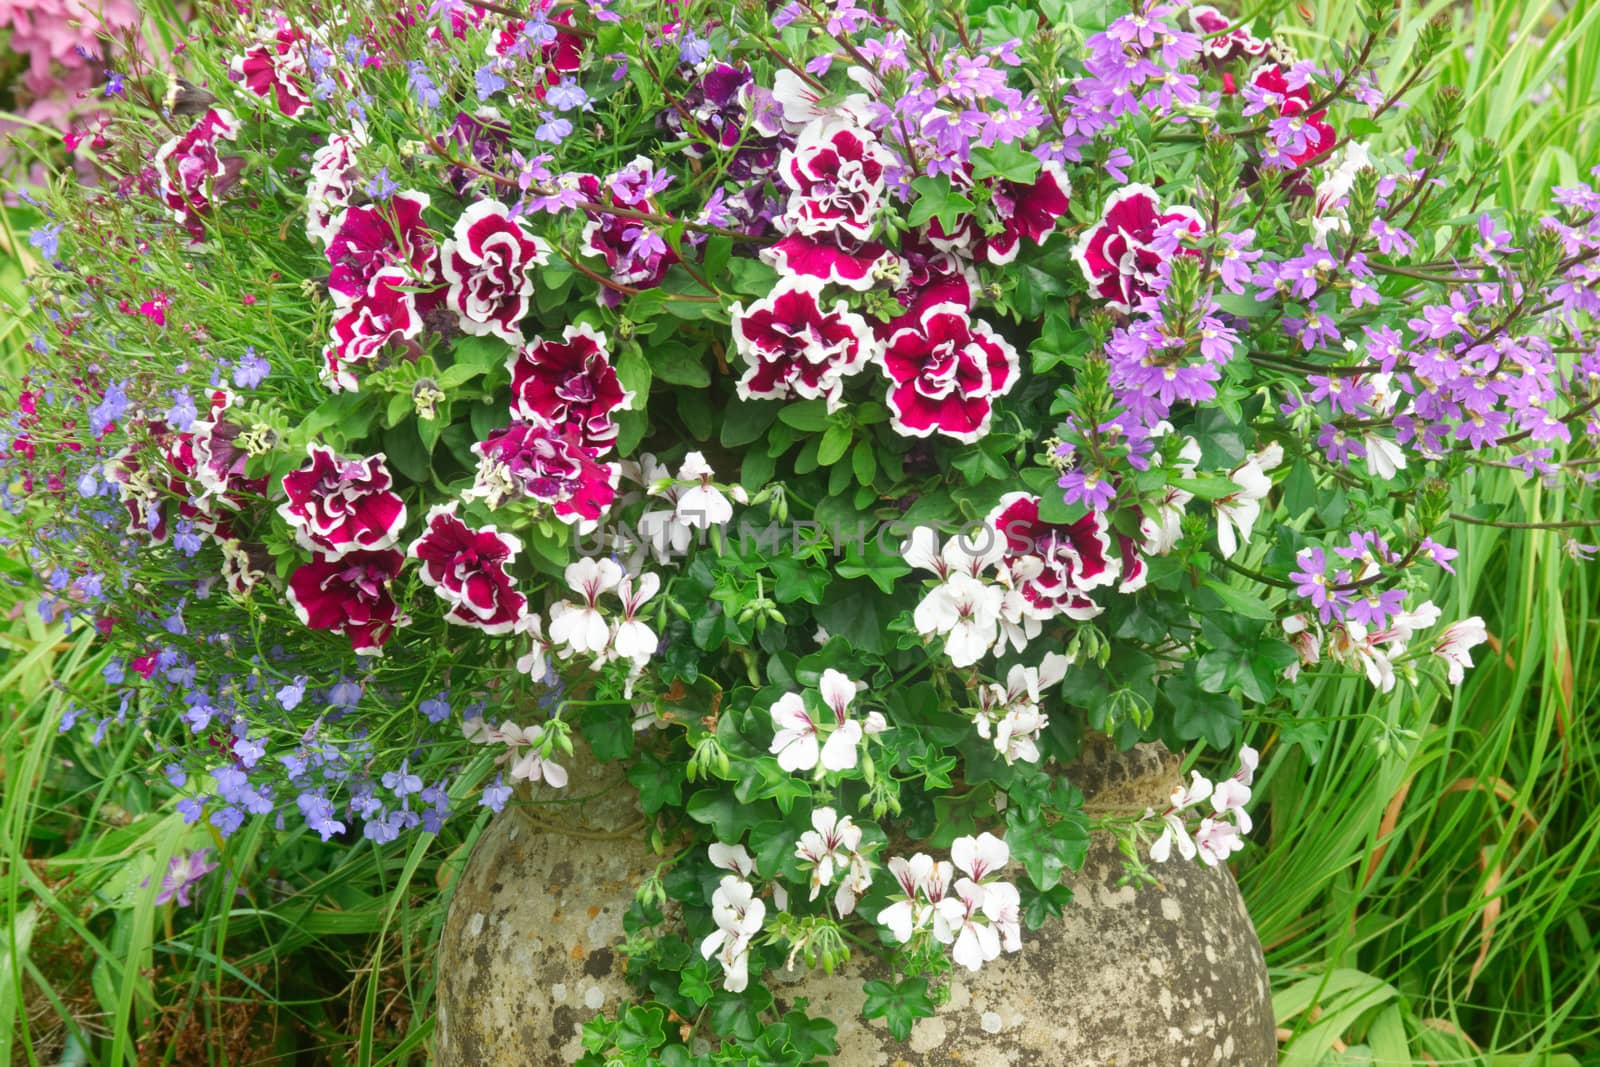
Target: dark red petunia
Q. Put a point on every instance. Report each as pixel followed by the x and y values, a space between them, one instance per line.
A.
pixel 1055 566
pixel 386 317
pixel 338 505
pixel 836 180
pixel 350 595
pixel 276 68
pixel 467 568
pixel 489 264
pixel 569 383
pixel 945 371
pixel 794 347
pixel 1024 211
pixel 1122 254
pixel 834 259
pixel 548 464
pixel 191 172
pixel 376 237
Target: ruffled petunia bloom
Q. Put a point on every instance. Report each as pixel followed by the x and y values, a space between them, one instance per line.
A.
pixel 945 372
pixel 548 464
pixel 569 384
pixel 467 569
pixel 794 347
pixel 382 320
pixel 350 595
pixel 275 68
pixel 190 168
pixel 836 259
pixel 1054 566
pixel 1122 254
pixel 338 505
pixel 489 264
pixel 836 180
pixel 374 237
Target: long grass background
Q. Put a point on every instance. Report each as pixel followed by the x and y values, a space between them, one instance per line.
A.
pixel 1427 901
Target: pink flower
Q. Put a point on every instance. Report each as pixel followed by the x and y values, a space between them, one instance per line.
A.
pixel 489 265
pixel 350 595
pixel 569 384
pixel 633 251
pixel 337 505
pixel 1024 211
pixel 1053 566
pixel 835 176
pixel 835 259
pixel 276 68
pixel 549 464
pixel 385 316
pixel 467 568
pixel 793 348
pixel 377 236
pixel 192 174
pixel 1122 253
pixel 1313 130
pixel 945 372
pixel 219 458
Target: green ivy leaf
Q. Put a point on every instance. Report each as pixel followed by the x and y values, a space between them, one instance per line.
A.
pixel 936 198
pixel 898 1004
pixel 659 783
pixel 609 730
pixel 723 812
pixel 1047 847
pixel 640 1030
pixel 1008 160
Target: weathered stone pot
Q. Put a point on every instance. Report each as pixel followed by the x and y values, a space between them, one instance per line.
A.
pixel 1168 976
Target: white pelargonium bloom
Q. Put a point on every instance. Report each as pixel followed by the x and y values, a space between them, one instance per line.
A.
pixel 966 613
pixel 923 883
pixel 1238 511
pixel 702 504
pixel 529 765
pixel 832 847
pixel 581 627
pixel 795 734
pixel 798 739
pixel 1176 831
pixel 735 858
pixel 535 662
pixel 1454 645
pixel 633 639
pixel 738 913
pixel 1011 713
pixel 1384 457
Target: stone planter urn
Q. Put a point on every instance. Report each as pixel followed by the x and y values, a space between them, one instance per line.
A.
pixel 1156 976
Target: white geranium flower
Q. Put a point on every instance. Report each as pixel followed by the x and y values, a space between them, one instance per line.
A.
pixel 702 504
pixel 738 913
pixel 634 640
pixel 581 627
pixel 530 766
pixel 1238 511
pixel 966 612
pixel 795 740
pixel 1455 645
pixel 1176 832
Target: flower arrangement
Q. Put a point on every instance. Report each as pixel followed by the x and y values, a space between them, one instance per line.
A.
pixel 832 413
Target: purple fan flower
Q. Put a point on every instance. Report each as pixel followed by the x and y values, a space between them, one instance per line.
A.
pixel 183 872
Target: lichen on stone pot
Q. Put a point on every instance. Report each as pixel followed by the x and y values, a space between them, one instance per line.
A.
pixel 1155 976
